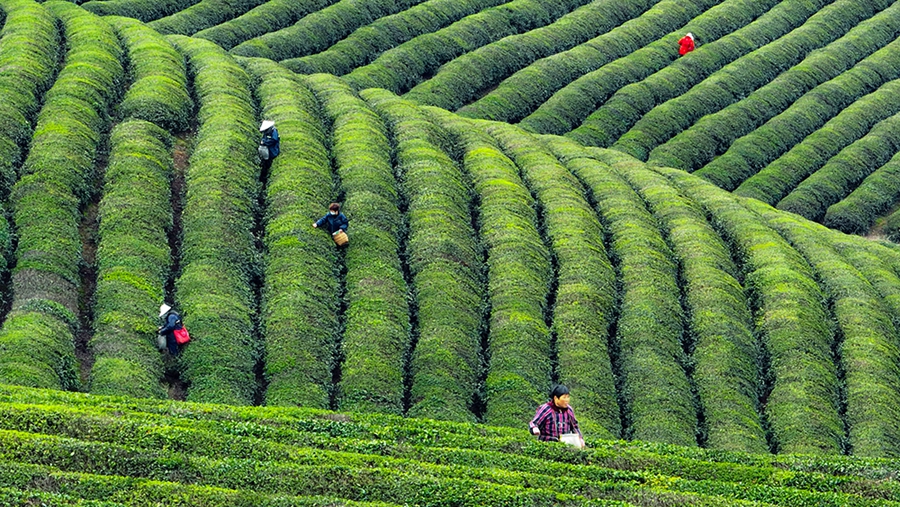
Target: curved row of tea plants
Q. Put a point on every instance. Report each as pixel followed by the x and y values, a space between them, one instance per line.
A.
pixel 521 93
pixel 38 335
pixel 466 77
pixel 402 67
pixel 215 286
pixel 299 307
pixel 268 17
pixel 142 10
pixel 445 263
pixel 875 195
pixel 203 14
pixel 568 107
pixel 743 93
pixel 377 319
pixel 365 44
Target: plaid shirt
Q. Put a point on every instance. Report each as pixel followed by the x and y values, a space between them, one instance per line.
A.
pixel 554 421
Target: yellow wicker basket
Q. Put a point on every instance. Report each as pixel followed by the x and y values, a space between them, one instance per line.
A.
pixel 340 238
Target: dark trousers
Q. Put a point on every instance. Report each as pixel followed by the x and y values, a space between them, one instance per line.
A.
pixel 172 344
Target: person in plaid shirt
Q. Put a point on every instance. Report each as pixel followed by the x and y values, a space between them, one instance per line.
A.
pixel 555 417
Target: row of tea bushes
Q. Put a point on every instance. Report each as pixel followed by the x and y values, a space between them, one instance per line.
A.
pixel 268 17
pixel 631 102
pixel 795 163
pixel 299 307
pixel 215 288
pixel 724 355
pixel 519 275
pixel 57 178
pixel 204 14
pixel 316 32
pixel 445 263
pixel 876 194
pixel 521 93
pixel 364 45
pixel 133 258
pixel 791 321
pixel 868 352
pixel 569 106
pixel 655 390
pixel 585 285
pixel 377 321
pixel 744 93
pixel 142 10
pixel 159 90
pixel 464 78
pixel 402 67
pixel 29 48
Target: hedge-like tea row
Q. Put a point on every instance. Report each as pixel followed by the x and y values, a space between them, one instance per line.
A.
pixel 585 297
pixel 518 278
pixel 218 256
pixel 299 316
pixel 466 77
pixel 365 44
pixel 268 17
pixel 402 67
pixel 844 172
pixel 143 10
pixel 746 155
pixel 724 354
pixel 744 93
pixel 377 329
pixel 835 87
pixel 28 56
pixel 37 339
pixel 318 31
pixel 445 263
pixel 856 213
pixel 520 94
pixel 158 92
pixel 569 106
pixel 133 258
pixel 655 391
pixel 778 178
pixel 869 353
pixel 791 321
pixel 202 15
pixel 631 102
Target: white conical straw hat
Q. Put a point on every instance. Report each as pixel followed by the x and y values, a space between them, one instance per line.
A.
pixel 266 125
pixel 164 309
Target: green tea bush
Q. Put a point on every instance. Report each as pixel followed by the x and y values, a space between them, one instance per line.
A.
pixel 143 10
pixel 775 180
pixel 445 263
pixel 204 14
pixel 37 339
pixel 857 212
pixel 744 94
pixel 316 32
pixel 838 74
pixel 521 93
pixel 791 322
pixel 299 317
pixel 585 297
pixel 365 44
pixel 568 107
pixel 466 77
pixel 218 256
pixel 268 17
pixel 518 278
pixel 402 67
pixel 132 259
pixel 158 91
pixel 377 320
pixel 654 388
pixel 632 102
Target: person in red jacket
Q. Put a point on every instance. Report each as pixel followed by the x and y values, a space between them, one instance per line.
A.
pixel 686 44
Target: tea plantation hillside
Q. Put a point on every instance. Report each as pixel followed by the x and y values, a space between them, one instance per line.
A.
pixel 538 192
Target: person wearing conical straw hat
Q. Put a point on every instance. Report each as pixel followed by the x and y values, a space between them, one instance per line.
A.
pixel 270 144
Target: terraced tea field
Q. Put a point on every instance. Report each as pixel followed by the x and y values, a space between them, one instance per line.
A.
pixel 538 191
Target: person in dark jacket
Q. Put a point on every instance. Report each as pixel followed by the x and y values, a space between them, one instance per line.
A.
pixel 555 418
pixel 172 322
pixel 270 141
pixel 334 221
pixel 686 44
